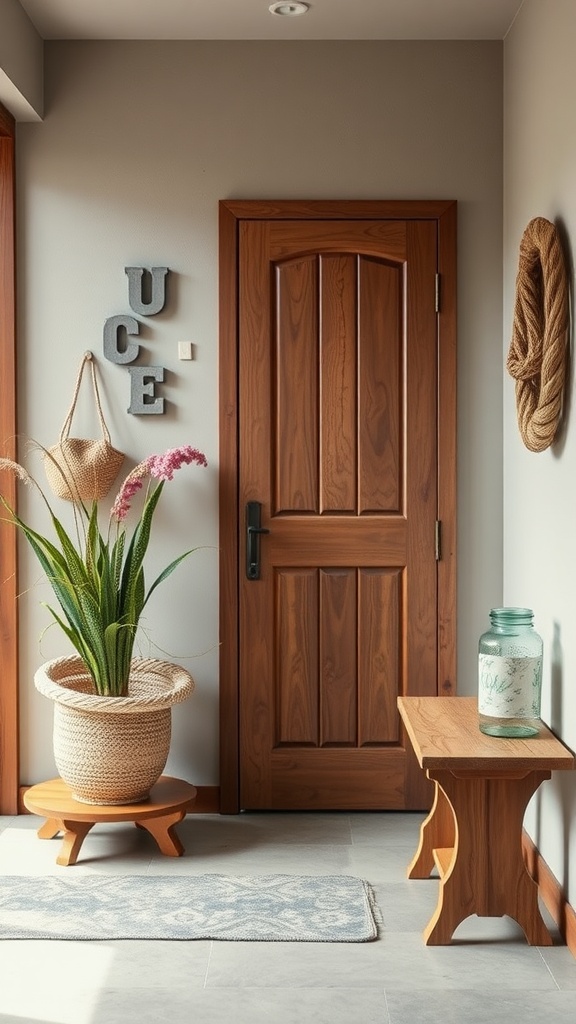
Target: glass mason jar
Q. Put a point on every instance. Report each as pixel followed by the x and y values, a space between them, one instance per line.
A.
pixel 510 674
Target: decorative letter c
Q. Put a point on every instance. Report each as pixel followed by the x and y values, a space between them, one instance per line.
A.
pixel 111 330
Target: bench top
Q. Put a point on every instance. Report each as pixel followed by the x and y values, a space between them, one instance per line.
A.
pixel 444 733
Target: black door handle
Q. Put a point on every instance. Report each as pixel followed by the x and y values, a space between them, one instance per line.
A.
pixel 253 531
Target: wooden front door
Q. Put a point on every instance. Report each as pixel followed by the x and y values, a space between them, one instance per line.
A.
pixel 338 456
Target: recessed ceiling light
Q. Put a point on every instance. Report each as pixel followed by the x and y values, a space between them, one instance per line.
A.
pixel 288 10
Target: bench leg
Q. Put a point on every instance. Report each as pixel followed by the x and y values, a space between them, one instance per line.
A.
pixel 437 830
pixel 485 873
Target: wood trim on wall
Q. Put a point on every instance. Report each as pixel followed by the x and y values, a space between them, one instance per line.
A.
pixel 228 498
pixel 551 892
pixel 231 212
pixel 447 499
pixel 9 745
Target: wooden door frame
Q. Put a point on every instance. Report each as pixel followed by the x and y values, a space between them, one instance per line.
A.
pixel 231 213
pixel 9 745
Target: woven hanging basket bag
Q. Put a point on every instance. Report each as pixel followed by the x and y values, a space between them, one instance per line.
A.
pixel 112 750
pixel 78 468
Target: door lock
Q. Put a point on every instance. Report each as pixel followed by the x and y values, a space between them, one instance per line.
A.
pixel 253 531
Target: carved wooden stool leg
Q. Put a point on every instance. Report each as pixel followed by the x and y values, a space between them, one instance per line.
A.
pixel 50 829
pixel 163 831
pixel 75 833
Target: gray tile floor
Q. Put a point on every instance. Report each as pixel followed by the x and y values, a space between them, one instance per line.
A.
pixel 489 975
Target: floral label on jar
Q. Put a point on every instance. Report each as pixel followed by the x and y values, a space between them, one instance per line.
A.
pixel 509 687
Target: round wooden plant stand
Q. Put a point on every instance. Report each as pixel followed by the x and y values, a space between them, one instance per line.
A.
pixel 167 805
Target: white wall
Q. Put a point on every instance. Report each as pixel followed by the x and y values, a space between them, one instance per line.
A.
pixel 540 489
pixel 139 142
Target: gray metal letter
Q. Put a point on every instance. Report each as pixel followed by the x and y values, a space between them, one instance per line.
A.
pixel 138 389
pixel 111 331
pixel 158 296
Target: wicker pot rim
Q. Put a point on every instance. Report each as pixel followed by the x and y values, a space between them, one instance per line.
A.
pixel 153 685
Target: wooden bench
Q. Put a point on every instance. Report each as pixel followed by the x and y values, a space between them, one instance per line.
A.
pixel 473 834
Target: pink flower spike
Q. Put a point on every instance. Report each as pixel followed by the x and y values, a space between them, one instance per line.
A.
pixel 121 506
pixel 162 467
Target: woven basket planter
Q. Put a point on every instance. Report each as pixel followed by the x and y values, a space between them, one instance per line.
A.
pixel 111 750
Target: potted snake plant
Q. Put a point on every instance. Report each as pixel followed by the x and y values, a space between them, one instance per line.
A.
pixel 112 711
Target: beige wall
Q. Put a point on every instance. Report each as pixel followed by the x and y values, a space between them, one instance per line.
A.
pixel 21 63
pixel 540 489
pixel 139 142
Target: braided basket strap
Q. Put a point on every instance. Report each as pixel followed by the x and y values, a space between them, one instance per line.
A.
pixel 87 358
pixel 538 350
pixel 153 685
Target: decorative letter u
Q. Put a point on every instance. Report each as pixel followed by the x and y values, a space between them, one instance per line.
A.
pixel 158 295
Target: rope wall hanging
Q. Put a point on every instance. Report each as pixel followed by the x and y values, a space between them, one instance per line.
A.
pixel 538 350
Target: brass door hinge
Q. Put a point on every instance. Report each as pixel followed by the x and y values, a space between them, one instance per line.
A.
pixel 438 540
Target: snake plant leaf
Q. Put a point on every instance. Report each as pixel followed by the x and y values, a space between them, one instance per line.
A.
pixel 167 572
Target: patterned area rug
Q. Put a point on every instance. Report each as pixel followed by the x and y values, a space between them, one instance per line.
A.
pixel 270 908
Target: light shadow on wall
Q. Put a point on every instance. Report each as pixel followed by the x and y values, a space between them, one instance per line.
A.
pixel 557 446
pixel 565 786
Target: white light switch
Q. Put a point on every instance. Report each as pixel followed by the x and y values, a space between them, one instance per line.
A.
pixel 184 350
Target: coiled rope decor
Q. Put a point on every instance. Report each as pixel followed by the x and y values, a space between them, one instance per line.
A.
pixel 537 355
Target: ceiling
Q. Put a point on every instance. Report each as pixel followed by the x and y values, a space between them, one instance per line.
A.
pixel 251 19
